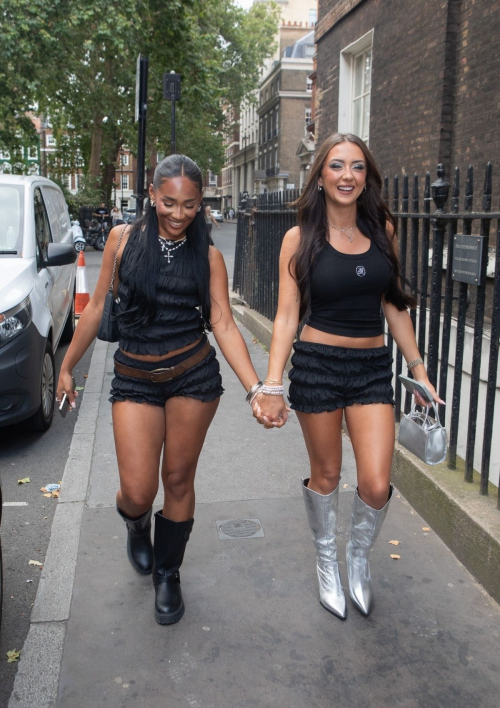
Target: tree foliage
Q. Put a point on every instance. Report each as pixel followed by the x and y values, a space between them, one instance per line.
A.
pixel 75 63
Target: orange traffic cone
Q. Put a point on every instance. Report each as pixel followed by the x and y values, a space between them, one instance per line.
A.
pixel 82 296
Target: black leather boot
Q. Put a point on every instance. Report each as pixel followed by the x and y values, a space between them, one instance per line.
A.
pixel 171 538
pixel 139 547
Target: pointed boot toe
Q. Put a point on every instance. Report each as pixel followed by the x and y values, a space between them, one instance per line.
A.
pixel 335 604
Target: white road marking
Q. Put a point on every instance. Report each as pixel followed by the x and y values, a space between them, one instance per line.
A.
pixel 15 504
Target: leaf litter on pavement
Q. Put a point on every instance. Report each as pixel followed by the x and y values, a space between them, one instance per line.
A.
pixel 24 480
pixel 13 655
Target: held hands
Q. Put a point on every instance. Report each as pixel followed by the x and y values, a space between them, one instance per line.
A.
pixel 270 411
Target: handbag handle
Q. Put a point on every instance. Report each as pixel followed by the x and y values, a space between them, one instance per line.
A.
pixel 116 256
pixel 436 412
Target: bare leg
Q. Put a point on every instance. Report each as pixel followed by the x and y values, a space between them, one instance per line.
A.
pixel 186 422
pixel 139 430
pixel 323 438
pixel 371 429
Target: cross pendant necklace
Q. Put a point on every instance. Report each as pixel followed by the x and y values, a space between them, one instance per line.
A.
pixel 167 250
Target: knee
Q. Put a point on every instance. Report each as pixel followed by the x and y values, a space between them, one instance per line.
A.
pixel 138 500
pixel 325 478
pixel 178 483
pixel 375 493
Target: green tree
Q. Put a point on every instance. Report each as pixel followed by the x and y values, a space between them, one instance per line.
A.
pixel 75 63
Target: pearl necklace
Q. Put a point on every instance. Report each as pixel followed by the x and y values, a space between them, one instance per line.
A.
pixel 168 250
pixel 337 228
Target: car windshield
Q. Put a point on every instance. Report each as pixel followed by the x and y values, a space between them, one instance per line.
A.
pixel 11 219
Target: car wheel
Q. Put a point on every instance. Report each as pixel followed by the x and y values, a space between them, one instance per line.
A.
pixel 43 417
pixel 100 243
pixel 69 327
pixel 79 246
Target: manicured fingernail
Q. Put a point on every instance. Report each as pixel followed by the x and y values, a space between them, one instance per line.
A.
pixel 73 405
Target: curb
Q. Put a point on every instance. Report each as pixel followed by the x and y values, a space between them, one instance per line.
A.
pixel 37 678
pixel 469 524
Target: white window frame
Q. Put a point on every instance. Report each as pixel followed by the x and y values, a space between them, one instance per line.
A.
pixel 309 84
pixel 212 179
pixel 308 116
pixel 51 141
pixel 124 160
pixel 346 81
pixel 124 182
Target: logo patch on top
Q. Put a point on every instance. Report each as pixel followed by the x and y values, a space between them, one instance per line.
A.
pixel 360 270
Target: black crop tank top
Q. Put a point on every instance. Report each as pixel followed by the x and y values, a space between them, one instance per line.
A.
pixel 346 291
pixel 178 322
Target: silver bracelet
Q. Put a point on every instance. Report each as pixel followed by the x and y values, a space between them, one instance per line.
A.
pixel 272 390
pixel 415 362
pixel 255 389
pixel 254 397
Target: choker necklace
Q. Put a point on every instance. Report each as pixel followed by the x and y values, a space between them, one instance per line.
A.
pixel 344 231
pixel 167 250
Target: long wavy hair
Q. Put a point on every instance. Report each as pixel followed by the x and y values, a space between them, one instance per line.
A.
pixel 142 264
pixel 371 219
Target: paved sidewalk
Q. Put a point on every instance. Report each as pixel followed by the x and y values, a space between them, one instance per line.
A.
pixel 254 634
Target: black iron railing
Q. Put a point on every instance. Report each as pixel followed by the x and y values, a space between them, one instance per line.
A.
pixel 431 240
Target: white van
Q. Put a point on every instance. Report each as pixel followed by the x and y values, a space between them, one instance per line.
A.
pixel 37 287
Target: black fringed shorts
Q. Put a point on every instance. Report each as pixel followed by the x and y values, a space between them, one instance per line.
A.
pixel 324 378
pixel 202 381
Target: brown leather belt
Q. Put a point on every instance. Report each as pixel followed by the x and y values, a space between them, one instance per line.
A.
pixel 167 374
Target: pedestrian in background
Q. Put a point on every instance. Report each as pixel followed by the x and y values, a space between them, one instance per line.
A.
pixel 209 220
pixel 172 286
pixel 340 264
pixel 116 215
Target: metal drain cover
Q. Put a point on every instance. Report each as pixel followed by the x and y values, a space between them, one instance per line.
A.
pixel 239 528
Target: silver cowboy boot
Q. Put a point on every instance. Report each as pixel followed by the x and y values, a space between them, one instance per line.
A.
pixel 365 526
pixel 322 515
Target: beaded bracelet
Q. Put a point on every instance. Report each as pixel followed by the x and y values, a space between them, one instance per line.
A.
pixel 411 365
pixel 272 390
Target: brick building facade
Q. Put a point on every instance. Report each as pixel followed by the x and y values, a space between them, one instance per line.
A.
pixel 284 112
pixel 423 74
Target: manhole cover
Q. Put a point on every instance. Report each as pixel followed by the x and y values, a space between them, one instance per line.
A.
pixel 239 528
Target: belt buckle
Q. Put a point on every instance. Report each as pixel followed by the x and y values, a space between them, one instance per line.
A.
pixel 161 372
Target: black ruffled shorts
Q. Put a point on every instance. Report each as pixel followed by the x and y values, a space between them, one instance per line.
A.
pixel 202 381
pixel 324 378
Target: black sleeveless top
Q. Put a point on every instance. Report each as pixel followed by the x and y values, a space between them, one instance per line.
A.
pixel 177 322
pixel 346 291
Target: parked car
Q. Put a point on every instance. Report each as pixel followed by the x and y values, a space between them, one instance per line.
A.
pixel 37 289
pixel 217 214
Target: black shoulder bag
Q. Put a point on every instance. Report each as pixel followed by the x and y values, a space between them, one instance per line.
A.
pixel 108 328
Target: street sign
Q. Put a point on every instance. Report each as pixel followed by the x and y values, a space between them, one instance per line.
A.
pixel 172 86
pixel 467 256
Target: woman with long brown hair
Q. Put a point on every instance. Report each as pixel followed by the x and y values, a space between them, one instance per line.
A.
pixel 337 268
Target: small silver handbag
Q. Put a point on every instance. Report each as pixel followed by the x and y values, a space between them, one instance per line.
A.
pixel 422 435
